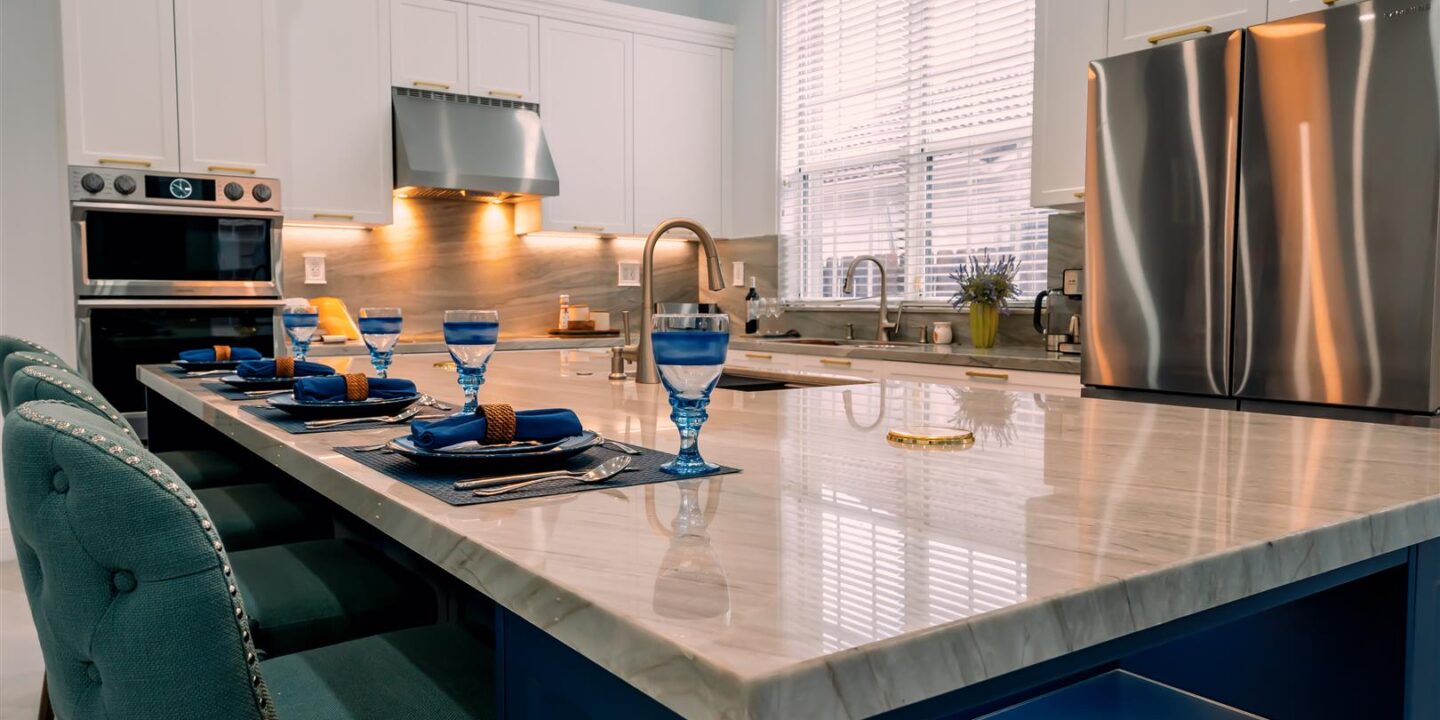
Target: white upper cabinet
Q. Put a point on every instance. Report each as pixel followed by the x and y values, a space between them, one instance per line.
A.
pixel 120 83
pixel 504 52
pixel 337 65
pixel 680 133
pixel 428 45
pixel 1281 9
pixel 232 114
pixel 585 75
pixel 1139 24
pixel 1068 35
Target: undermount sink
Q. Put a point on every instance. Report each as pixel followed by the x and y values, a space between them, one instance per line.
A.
pixel 861 344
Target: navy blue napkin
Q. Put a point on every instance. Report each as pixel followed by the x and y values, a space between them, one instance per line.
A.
pixel 332 389
pixel 266 369
pixel 208 354
pixel 537 425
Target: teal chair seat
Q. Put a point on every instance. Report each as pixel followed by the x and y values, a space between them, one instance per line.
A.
pixel 440 672
pixel 209 468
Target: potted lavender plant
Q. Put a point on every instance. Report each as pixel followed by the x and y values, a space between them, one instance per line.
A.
pixel 987 287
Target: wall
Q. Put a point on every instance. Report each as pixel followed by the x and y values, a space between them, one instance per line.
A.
pixel 755 158
pixel 441 255
pixel 716 10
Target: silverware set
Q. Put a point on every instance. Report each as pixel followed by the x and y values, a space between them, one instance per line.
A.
pixel 599 473
pixel 206 373
pixel 400 417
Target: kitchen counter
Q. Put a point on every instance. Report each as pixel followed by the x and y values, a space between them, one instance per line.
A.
pixel 839 576
pixel 1007 358
pixel 408 347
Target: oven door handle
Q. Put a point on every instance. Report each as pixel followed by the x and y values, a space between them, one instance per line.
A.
pixel 78 206
pixel 140 304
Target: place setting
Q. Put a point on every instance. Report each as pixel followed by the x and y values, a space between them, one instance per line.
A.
pixel 211 361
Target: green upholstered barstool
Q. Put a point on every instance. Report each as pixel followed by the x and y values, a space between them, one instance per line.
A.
pixel 139 614
pixel 247 516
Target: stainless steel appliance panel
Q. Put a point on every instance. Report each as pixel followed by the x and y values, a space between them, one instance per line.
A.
pixel 1159 209
pixel 1336 276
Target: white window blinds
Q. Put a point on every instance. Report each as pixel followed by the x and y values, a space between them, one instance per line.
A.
pixel 905 134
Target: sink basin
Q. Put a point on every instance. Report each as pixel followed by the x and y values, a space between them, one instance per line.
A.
pixel 809 341
pixel 863 344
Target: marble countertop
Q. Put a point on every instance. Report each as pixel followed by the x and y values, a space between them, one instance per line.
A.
pixel 838 576
pixel 1009 358
pixel 407 347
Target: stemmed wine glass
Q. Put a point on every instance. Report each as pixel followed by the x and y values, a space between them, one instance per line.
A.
pixel 470 335
pixel 380 328
pixel 301 323
pixel 690 354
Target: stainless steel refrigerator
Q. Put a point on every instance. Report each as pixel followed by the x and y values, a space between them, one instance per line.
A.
pixel 1263 218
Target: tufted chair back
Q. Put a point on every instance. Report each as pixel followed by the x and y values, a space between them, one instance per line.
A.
pixel 128 584
pixel 38 382
pixel 9 345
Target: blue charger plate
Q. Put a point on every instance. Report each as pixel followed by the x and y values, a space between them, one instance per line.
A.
pixel 342 409
pixel 474 453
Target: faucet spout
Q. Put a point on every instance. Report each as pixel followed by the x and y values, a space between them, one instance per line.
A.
pixel 645 370
pixel 883 326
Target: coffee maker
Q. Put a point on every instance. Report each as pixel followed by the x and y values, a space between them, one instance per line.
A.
pixel 1061 327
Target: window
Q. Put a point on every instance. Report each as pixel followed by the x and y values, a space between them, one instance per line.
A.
pixel 905 134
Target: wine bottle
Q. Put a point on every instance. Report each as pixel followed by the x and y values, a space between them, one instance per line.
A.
pixel 752 309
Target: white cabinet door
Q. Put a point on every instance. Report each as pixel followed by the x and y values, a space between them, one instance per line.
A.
pixel 120 83
pixel 585 79
pixel 679 112
pixel 232 115
pixel 1068 35
pixel 427 48
pixel 337 66
pixel 1139 24
pixel 504 52
pixel 1281 9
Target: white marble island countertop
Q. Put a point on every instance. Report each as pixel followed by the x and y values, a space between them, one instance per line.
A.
pixel 838 576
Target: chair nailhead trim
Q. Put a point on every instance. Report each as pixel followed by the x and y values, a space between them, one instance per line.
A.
pixel 205 524
pixel 39 374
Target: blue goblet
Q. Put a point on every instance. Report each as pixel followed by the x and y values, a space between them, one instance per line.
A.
pixel 690 354
pixel 380 329
pixel 470 335
pixel 301 323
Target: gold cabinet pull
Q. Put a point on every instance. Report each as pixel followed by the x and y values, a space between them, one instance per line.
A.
pixel 834 361
pixel 1079 196
pixel 333 216
pixel 427 83
pixel 232 169
pixel 1182 32
pixel 588 228
pixel 987 375
pixel 760 356
pixel 1329 2
pixel 123 161
pixel 506 94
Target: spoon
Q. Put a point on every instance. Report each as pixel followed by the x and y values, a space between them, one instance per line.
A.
pixel 600 473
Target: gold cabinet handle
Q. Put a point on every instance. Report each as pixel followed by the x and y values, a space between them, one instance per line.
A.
pixel 1079 196
pixel 987 375
pixel 1182 32
pixel 333 216
pixel 1329 2
pixel 123 161
pixel 232 169
pixel 588 228
pixel 506 94
pixel 426 83
pixel 760 356
pixel 835 362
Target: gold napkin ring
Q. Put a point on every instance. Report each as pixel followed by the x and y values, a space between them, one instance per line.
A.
pixel 499 424
pixel 222 353
pixel 357 387
pixel 284 366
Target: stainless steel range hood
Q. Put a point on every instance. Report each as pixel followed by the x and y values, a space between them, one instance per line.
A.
pixel 469 148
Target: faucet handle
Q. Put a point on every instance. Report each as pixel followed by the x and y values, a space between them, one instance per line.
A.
pixel 625 322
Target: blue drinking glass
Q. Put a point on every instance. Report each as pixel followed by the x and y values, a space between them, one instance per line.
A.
pixel 690 354
pixel 380 328
pixel 301 323
pixel 470 335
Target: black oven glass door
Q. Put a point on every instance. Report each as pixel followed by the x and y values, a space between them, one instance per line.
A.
pixel 154 246
pixel 120 338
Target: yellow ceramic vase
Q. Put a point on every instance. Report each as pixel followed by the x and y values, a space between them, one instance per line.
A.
pixel 984 324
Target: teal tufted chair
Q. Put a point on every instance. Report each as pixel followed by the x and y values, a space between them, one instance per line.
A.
pixel 127 581
pixel 9 345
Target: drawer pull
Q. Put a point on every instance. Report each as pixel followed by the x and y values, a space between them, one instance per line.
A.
pixel 506 94
pixel 588 228
pixel 333 216
pixel 987 375
pixel 122 161
pixel 760 356
pixel 834 361
pixel 1079 196
pixel 1182 32
pixel 427 83
pixel 232 169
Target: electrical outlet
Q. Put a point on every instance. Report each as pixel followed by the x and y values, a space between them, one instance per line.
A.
pixel 314 268
pixel 737 274
pixel 629 273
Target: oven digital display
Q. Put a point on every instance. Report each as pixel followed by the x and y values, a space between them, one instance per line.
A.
pixel 179 188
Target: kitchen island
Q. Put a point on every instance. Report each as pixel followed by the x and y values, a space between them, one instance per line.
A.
pixel 1240 556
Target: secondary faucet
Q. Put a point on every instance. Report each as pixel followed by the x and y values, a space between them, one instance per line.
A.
pixel 645 370
pixel 883 327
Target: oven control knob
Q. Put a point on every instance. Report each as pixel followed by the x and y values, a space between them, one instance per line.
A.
pixel 234 191
pixel 261 192
pixel 125 184
pixel 92 183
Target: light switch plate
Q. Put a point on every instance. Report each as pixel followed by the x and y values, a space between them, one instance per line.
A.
pixel 314 268
pixel 629 273
pixel 737 273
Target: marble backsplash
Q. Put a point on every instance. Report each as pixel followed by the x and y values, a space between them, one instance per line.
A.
pixel 441 255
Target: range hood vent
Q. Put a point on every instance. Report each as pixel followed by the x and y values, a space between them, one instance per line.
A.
pixel 470 148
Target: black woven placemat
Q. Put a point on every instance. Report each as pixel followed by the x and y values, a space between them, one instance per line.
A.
pixel 439 480
pixel 228 392
pixel 295 426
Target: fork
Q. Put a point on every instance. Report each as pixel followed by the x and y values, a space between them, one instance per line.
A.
pixel 206 373
pixel 387 419
pixel 432 402
pixel 264 393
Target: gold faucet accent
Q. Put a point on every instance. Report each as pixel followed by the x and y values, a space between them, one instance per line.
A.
pixel 645 371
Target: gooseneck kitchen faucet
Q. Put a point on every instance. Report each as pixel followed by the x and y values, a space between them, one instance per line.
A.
pixel 645 371
pixel 883 326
